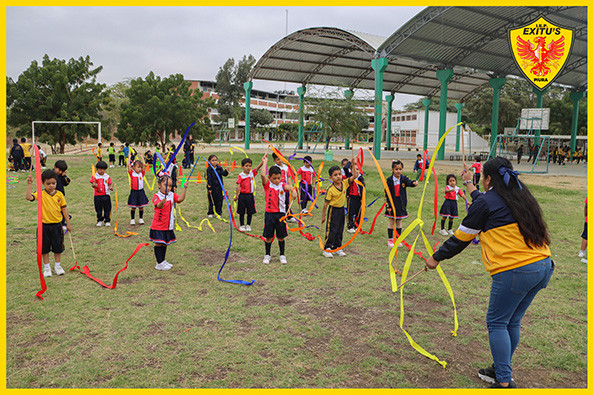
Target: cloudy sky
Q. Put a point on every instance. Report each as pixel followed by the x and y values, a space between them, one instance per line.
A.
pixel 129 42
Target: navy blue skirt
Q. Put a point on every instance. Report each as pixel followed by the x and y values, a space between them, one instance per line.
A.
pixel 137 199
pixel 449 209
pixel 162 236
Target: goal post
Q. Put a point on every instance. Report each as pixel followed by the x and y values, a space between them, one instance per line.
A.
pixel 66 122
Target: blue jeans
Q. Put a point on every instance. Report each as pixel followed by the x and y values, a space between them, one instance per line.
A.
pixel 511 294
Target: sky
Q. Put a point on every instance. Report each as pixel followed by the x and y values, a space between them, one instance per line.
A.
pixel 129 42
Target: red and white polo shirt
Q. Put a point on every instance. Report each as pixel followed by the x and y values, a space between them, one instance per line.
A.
pixel 164 218
pixel 246 181
pixel 275 197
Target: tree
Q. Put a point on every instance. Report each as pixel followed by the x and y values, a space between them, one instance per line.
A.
pixel 158 108
pixel 229 86
pixel 56 90
pixel 111 111
pixel 337 116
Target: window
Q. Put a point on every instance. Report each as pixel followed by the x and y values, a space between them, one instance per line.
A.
pixel 413 117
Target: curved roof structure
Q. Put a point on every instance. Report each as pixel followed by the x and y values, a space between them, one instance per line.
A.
pixel 471 40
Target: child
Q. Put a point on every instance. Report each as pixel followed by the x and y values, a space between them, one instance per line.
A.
pixel 122 156
pixel 148 157
pixel 27 154
pixel 99 152
pixel 42 157
pixel 346 165
pixel 307 175
pixel 53 209
pixel 163 222
pixel 126 151
pixel 477 168
pixel 286 175
pixel 62 180
pixel 449 207
pixel 354 201
pixel 111 151
pixel 335 197
pixel 102 184
pixel 244 193
pixel 214 189
pixel 418 166
pixel 276 192
pixel 519 154
pixel 582 252
pixel 16 155
pixel 397 185
pixel 137 198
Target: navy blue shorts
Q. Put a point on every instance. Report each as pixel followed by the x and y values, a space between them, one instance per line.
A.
pixel 273 224
pixel 162 236
pixel 246 204
pixel 52 239
pixel 584 235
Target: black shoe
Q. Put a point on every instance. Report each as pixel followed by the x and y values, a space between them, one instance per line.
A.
pixel 497 385
pixel 487 374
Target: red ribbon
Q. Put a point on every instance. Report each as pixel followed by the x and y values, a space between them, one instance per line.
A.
pixel 424 155
pixel 39 221
pixel 436 199
pixel 374 220
pixel 86 271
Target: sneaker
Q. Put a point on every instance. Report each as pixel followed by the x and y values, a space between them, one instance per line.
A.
pixel 247 228
pixel 340 253
pixel 242 228
pixel 584 260
pixel 582 254
pixel 512 384
pixel 401 245
pixel 100 223
pixel 141 221
pixel 444 232
pixel 489 376
pixel 133 222
pixel 328 254
pixel 107 223
pixel 59 270
pixel 267 259
pixel 292 219
pixel 283 259
pixel 210 216
pixel 351 230
pixel 162 266
pixel 304 211
pixel 451 232
pixel 167 263
pixel 47 272
pixel 390 243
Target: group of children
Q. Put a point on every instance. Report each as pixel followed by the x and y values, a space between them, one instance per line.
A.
pixel 346 187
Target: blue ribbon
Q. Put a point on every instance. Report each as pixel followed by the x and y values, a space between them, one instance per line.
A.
pixel 371 203
pixel 506 174
pixel 228 251
pixel 174 152
pixel 157 155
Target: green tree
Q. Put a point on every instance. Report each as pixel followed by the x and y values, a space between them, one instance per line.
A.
pixel 229 87
pixel 111 112
pixel 56 90
pixel 159 107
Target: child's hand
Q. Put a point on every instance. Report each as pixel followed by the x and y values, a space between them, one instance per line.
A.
pixel 30 179
pixel 415 183
pixel 111 187
pixel 69 227
pixel 236 198
pixel 322 220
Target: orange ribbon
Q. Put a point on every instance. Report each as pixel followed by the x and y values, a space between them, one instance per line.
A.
pixel 128 234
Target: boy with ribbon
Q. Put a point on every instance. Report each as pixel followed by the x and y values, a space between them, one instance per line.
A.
pixel 244 193
pixel 102 184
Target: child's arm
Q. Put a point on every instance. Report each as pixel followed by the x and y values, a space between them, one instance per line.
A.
pixel 110 183
pixel 30 197
pixel 237 192
pixel 354 173
pixel 323 212
pixel 264 179
pixel 94 182
pixel 66 218
pixel 183 192
pixel 65 180
pixel 262 162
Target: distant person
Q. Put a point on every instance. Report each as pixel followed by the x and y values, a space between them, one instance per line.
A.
pixel 26 154
pixel 16 155
pixel 519 154
pixel 102 184
pixel 42 157
pixel 111 152
pixel 121 154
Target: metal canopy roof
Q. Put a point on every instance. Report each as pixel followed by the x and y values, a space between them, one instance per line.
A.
pixel 471 40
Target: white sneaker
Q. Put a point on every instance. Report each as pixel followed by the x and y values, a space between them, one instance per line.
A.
pixel 584 260
pixel 451 232
pixel 141 221
pixel 291 219
pixel 351 230
pixel 390 243
pixel 247 228
pixel 210 216
pixel 162 266
pixel 167 263
pixel 582 254
pixel 100 223
pixel 401 245
pixel 133 222
pixel 242 228
pixel 59 270
pixel 267 259
pixel 47 272
pixel 304 211
pixel 340 253
pixel 107 223
pixel 444 232
pixel 283 259
pixel 328 254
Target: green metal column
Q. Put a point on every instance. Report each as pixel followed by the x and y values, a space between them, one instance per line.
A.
pixel 576 98
pixel 496 84
pixel 348 95
pixel 444 76
pixel 301 91
pixel 540 103
pixel 247 86
pixel 389 99
pixel 458 106
pixel 426 103
pixel 379 65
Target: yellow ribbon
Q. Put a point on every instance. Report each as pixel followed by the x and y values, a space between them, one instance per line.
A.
pixel 239 150
pixel 196 227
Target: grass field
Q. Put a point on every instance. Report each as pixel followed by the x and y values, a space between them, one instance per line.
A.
pixel 316 322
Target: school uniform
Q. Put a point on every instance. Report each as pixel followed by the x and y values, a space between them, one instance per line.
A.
pixel 285 172
pixel 334 228
pixel 306 185
pixel 137 198
pixel 276 198
pixel 354 202
pixel 397 189
pixel 246 200
pixel 102 196
pixel 163 222
pixel 51 217
pixel 449 208
pixel 477 166
pixel 214 189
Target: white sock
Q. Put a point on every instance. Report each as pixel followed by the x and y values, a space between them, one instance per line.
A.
pixel 581 251
pixel 57 264
pixel 46 266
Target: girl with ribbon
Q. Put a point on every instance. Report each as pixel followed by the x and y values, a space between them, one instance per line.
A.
pixel 397 185
pixel 449 208
pixel 514 239
pixel 214 188
pixel 163 222
pixel 137 198
pixel 307 174
pixel 353 202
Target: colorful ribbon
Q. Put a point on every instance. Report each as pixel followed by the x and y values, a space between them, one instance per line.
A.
pixel 128 234
pixel 38 185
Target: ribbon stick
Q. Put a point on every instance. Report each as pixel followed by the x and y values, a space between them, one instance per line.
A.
pixel 38 185
pixel 190 173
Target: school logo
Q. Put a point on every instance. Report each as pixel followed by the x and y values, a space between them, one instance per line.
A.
pixel 540 50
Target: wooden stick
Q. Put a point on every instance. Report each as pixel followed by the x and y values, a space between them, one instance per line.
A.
pixel 423 270
pixel 72 245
